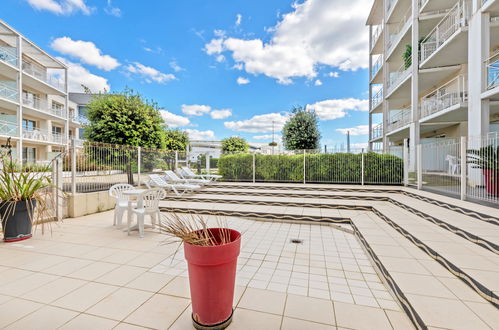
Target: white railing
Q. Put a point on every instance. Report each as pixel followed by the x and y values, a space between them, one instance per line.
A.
pixel 377 98
pixel 375 35
pixel 394 38
pixel 8 90
pixel 389 5
pixel 79 119
pixel 377 131
pixel 396 77
pixel 452 93
pixel 422 3
pixel 456 18
pixel 492 65
pixel 8 55
pixel 376 66
pixel 8 128
pixel 38 103
pixel 42 75
pixel 399 118
pixel 43 135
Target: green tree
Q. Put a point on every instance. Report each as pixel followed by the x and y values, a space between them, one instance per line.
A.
pixel 125 118
pixel 176 139
pixel 301 130
pixel 234 144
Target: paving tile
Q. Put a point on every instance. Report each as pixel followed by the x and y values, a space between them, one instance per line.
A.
pixel 93 271
pixel 84 297
pixel 54 290
pixel 119 304
pixel 179 287
pixel 311 309
pixel 85 322
pixel 149 281
pixel 295 324
pixel 399 320
pixel 360 317
pixel 245 319
pixel 121 275
pixel 47 317
pixel 263 300
pixel 16 309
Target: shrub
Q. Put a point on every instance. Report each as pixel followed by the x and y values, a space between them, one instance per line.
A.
pixel 327 168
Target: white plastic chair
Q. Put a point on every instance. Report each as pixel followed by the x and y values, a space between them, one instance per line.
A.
pixel 173 177
pixel 179 189
pixel 188 173
pixel 116 191
pixel 453 164
pixel 147 204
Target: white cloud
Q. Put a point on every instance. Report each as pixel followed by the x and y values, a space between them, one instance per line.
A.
pixel 149 74
pixel 220 58
pixel 337 108
pixel 333 74
pixel 113 11
pixel 357 130
pixel 317 32
pixel 85 51
pixel 195 109
pixel 359 145
pixel 318 83
pixel 195 134
pixel 175 67
pixel 239 19
pixel 78 76
pixel 221 114
pixel 277 138
pixel 173 120
pixel 61 7
pixel 259 123
pixel 242 81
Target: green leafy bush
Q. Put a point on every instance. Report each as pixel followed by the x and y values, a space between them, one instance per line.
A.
pixel 327 168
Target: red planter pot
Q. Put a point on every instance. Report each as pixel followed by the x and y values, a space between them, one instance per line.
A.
pixel 212 276
pixel 492 181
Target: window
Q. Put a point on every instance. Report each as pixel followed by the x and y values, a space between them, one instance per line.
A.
pixel 29 125
pixel 58 109
pixel 56 130
pixel 29 155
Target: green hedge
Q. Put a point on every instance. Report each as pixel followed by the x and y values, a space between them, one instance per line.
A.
pixel 327 168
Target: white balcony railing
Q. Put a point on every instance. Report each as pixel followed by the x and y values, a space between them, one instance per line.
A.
pixel 492 65
pixel 42 75
pixel 38 103
pixel 398 31
pixel 43 135
pixel 399 118
pixel 375 35
pixel 389 5
pixel 377 131
pixel 376 66
pixel 398 76
pixel 8 90
pixel 377 98
pixel 456 18
pixel 8 55
pixel 8 128
pixel 79 119
pixel 452 93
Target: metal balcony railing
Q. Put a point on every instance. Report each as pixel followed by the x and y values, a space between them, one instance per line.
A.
pixel 376 66
pixel 399 118
pixel 492 65
pixel 377 131
pixel 8 90
pixel 375 35
pixel 8 55
pixel 389 5
pixel 456 18
pixel 377 98
pixel 452 93
pixel 394 38
pixel 79 119
pixel 43 135
pixel 42 75
pixel 8 128
pixel 38 103
pixel 396 77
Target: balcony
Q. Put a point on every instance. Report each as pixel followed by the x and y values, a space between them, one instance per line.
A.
pixel 8 128
pixel 37 103
pixel 443 33
pixel 41 74
pixel 399 118
pixel 8 90
pixel 44 136
pixel 397 77
pixel 377 132
pixel 8 55
pixel 492 65
pixel 376 66
pixel 377 98
pixel 376 36
pixel 399 31
pixel 79 119
pixel 445 97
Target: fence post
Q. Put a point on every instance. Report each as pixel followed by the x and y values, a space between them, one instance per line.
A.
pixel 139 163
pixel 208 163
pixel 176 159
pixel 254 168
pixel 304 167
pixel 58 186
pixel 73 167
pixel 406 162
pixel 362 168
pixel 419 161
pixel 464 184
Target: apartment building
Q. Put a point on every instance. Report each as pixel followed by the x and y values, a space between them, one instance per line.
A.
pixel 35 110
pixel 434 71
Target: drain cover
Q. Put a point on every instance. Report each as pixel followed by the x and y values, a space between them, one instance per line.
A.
pixel 296 241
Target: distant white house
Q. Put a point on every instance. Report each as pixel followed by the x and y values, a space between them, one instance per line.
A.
pixel 214 149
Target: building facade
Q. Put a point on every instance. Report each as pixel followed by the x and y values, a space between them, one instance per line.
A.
pixel 35 110
pixel 434 71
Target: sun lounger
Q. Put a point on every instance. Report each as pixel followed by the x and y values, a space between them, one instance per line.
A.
pixel 189 174
pixel 179 189
pixel 172 177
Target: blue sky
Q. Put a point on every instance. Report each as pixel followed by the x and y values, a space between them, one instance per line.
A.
pixel 218 68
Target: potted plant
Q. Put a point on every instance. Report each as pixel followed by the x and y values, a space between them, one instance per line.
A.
pixel 23 196
pixel 487 159
pixel 211 255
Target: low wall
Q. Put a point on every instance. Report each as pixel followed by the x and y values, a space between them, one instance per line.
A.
pixel 89 203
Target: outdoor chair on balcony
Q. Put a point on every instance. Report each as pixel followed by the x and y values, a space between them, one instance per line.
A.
pixel 172 177
pixel 155 180
pixel 189 174
pixel 116 192
pixel 147 204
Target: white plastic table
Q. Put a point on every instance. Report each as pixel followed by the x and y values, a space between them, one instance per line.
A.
pixel 135 193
